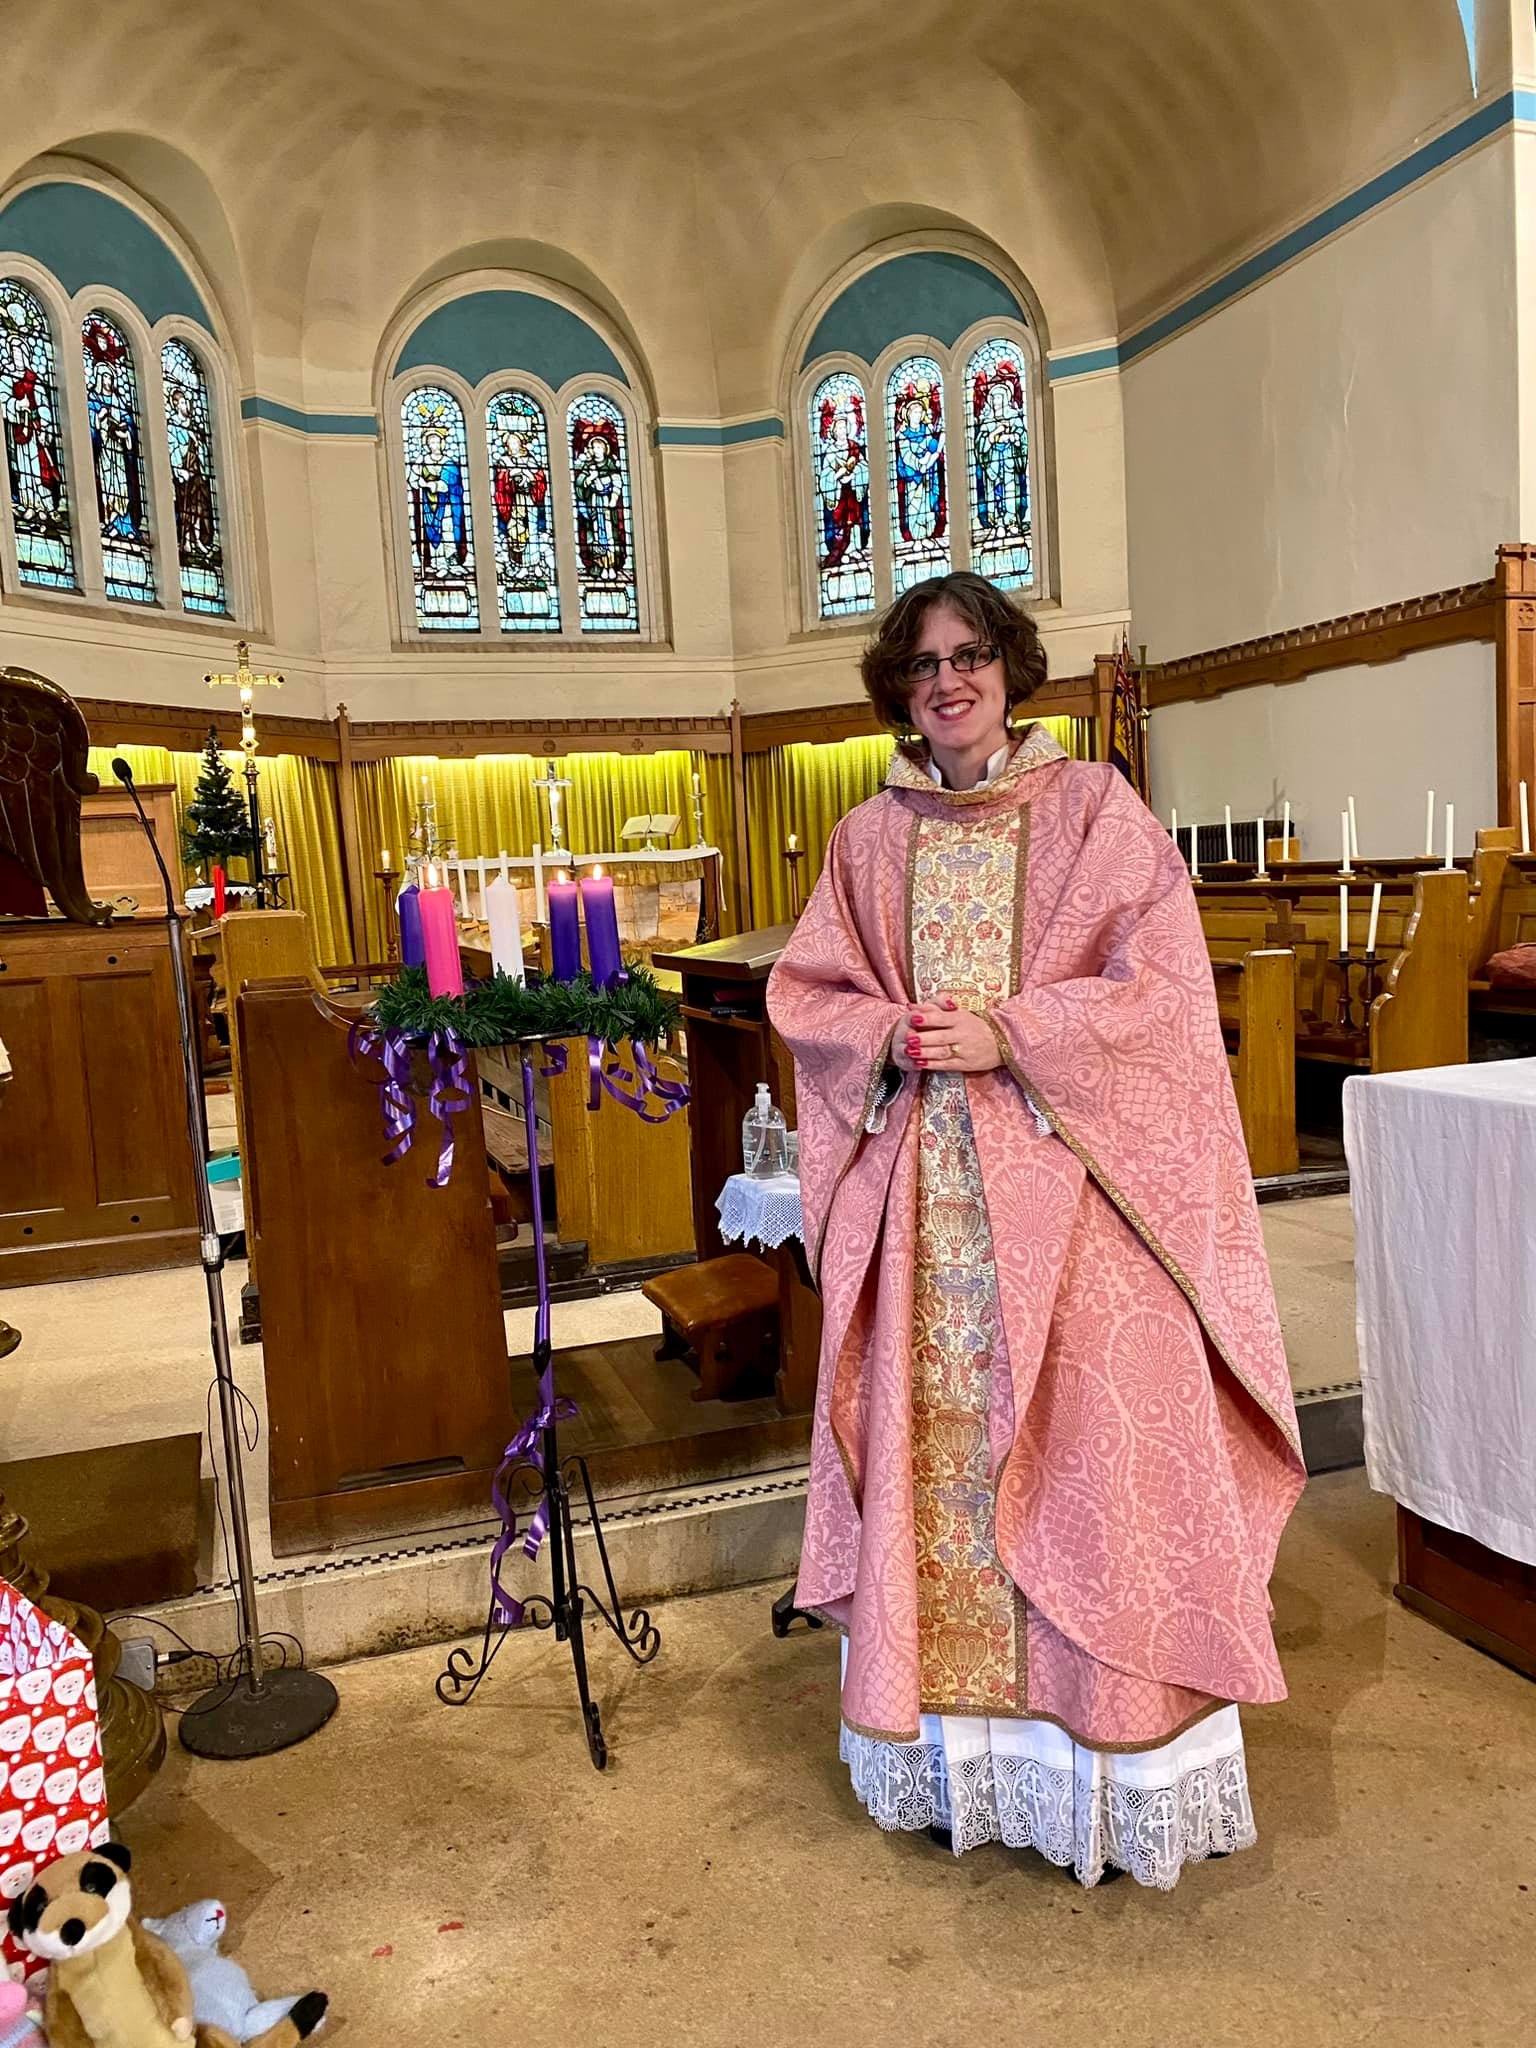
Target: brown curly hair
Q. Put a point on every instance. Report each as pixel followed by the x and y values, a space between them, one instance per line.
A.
pixel 993 616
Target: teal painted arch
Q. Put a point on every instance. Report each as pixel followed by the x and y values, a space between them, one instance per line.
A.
pixel 927 291
pixel 485 332
pixel 85 237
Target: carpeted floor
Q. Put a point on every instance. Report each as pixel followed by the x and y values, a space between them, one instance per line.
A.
pixel 468 1875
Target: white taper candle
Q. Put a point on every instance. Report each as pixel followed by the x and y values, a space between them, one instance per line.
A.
pixel 1344 835
pixel 1525 819
pixel 1229 831
pixel 1370 937
pixel 1450 835
pixel 1285 833
pixel 1354 832
pixel 1429 825
pixel 540 907
pixel 1259 833
pixel 1343 917
pixel 1194 853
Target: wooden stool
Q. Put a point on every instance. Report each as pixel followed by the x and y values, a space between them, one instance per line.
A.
pixel 726 1311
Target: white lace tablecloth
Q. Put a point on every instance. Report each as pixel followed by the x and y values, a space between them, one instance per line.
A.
pixel 761 1212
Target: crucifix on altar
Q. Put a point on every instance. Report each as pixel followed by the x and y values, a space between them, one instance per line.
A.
pixel 552 784
pixel 247 684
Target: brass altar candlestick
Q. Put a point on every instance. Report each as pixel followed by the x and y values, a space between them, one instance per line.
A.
pixel 388 875
pixel 794 853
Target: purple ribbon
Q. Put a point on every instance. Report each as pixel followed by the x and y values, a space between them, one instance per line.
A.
pixel 450 1095
pixel 392 1049
pixel 526 1448
pixel 633 1086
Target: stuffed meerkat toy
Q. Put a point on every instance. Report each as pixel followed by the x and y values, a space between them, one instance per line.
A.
pixel 112 1984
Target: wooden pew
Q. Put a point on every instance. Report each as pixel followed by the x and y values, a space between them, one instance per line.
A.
pixel 1413 1013
pixel 1256 995
pixel 1503 914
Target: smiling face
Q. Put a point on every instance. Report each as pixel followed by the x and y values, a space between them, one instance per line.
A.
pixel 958 714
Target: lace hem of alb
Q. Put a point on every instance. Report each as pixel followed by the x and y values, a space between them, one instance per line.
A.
pixel 1149 1831
pixel 762 1212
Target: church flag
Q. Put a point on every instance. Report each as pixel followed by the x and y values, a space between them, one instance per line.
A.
pixel 1128 737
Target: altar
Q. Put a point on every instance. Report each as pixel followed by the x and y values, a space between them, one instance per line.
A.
pixel 1443 1158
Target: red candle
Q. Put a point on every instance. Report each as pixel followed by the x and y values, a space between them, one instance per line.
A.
pixel 218 890
pixel 440 937
pixel 602 921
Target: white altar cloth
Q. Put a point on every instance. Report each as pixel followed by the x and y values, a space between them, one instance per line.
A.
pixel 1442 1167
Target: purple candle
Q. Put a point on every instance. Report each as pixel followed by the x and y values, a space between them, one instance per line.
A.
pixel 602 921
pixel 564 927
pixel 412 952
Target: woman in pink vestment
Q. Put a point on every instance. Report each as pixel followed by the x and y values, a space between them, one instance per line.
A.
pixel 1054 1444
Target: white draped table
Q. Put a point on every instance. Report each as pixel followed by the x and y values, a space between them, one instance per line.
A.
pixel 1442 1168
pixel 763 1212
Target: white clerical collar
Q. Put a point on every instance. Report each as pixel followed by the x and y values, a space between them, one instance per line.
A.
pixel 994 767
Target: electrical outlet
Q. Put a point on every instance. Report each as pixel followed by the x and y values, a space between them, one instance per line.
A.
pixel 138 1662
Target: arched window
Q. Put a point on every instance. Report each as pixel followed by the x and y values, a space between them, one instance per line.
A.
pixel 117 460
pixel 527 574
pixel 194 479
pixel 442 537
pixel 914 438
pixel 34 442
pixel 839 436
pixel 605 525
pixel 121 430
pixel 939 425
pixel 997 448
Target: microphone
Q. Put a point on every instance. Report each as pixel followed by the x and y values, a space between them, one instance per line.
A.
pixel 124 775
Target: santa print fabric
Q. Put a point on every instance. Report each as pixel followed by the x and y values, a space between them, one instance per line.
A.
pixel 53 1795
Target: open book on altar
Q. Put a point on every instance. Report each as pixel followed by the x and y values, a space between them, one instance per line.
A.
pixel 655 825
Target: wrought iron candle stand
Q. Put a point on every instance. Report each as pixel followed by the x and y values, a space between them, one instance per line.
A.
pixel 534 1453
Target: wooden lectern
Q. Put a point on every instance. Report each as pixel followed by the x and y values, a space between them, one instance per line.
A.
pixel 388 1388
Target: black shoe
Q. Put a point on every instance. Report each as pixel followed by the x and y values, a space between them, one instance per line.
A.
pixel 942 1838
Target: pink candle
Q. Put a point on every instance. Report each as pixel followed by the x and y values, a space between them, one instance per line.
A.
pixel 440 937
pixel 602 921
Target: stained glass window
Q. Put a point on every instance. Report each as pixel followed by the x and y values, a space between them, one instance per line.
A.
pixel 117 457
pixel 914 422
pixel 997 446
pixel 189 434
pixel 527 589
pixel 442 528
pixel 34 441
pixel 845 573
pixel 605 544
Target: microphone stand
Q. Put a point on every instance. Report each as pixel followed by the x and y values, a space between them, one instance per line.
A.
pixel 256 1712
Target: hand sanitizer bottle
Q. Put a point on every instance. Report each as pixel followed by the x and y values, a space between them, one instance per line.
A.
pixel 764 1150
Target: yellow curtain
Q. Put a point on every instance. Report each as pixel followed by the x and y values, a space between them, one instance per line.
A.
pixel 299 795
pixel 806 788
pixel 488 805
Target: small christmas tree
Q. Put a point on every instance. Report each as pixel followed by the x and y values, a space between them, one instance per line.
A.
pixel 217 822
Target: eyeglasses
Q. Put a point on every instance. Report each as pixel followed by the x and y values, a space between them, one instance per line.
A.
pixel 922 668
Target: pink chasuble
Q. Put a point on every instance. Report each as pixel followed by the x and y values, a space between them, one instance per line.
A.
pixel 1054 1444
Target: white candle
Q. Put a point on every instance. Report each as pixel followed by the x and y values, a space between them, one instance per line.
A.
pixel 504 874
pixel 1259 830
pixel 1173 824
pixel 384 860
pixel 463 894
pixel 1344 830
pixel 793 843
pixel 1450 835
pixel 540 909
pixel 1194 853
pixel 506 928
pixel 1370 937
pixel 1429 825
pixel 697 785
pixel 1285 833
pixel 1229 831
pixel 1354 831
pixel 1525 819
pixel 1343 918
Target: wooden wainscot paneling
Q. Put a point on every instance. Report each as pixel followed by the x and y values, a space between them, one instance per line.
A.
pixel 183 729
pixel 1442 619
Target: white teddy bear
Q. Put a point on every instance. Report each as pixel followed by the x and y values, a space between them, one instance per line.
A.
pixel 221 1991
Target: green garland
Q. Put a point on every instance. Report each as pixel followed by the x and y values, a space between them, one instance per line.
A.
pixel 497 1011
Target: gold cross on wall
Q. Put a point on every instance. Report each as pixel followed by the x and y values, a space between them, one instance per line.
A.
pixel 247 684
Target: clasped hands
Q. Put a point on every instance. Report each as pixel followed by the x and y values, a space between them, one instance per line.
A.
pixel 942 1038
